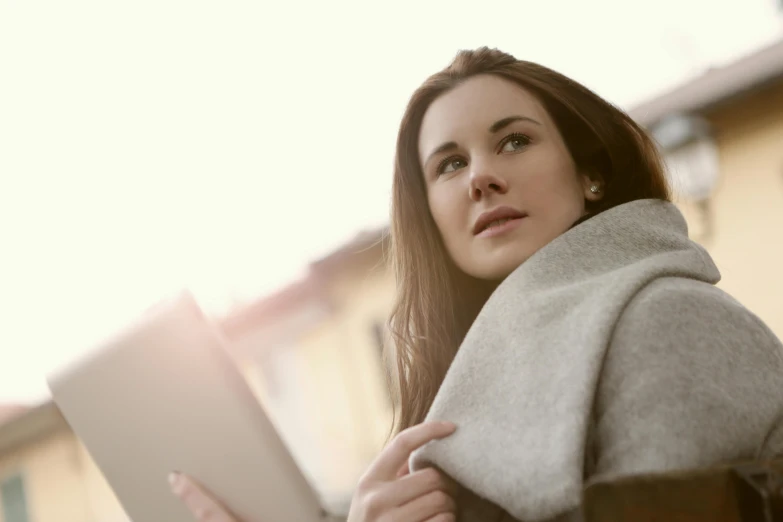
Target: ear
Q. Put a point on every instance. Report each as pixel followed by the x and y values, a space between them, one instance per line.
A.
pixel 593 186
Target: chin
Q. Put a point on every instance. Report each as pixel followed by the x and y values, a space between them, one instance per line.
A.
pixel 497 269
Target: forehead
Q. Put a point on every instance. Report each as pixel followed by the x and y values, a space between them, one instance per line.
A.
pixel 473 106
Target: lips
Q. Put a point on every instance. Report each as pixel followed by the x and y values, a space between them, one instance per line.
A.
pixel 495 217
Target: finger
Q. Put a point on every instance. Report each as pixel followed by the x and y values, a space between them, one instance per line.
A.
pixel 404 469
pixel 416 485
pixel 397 452
pixel 443 517
pixel 203 506
pixel 426 507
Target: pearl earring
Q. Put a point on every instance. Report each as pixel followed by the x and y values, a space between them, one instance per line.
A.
pixel 595 189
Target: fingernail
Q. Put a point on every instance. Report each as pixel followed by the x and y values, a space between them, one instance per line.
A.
pixel 173 478
pixel 448 424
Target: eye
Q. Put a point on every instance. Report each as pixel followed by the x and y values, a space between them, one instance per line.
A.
pixel 514 142
pixel 451 164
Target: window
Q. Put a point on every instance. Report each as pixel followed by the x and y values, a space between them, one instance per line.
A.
pixel 691 154
pixel 694 168
pixel 14 500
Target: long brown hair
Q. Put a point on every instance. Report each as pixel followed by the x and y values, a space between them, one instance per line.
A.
pixel 436 302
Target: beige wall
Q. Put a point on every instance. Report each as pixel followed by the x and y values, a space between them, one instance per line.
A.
pixel 335 411
pixel 748 205
pixel 102 504
pixel 51 470
pixel 355 383
pixel 61 481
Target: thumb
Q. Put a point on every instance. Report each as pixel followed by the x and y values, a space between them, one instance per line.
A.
pixel 199 502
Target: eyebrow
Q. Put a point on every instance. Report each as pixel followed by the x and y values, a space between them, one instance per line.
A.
pixel 495 127
pixel 505 122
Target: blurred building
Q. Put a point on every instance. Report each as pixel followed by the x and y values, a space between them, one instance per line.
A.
pixel 46 475
pixel 723 134
pixel 312 352
pixel 313 355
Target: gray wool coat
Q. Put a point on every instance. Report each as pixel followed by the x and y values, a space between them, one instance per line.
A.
pixel 608 352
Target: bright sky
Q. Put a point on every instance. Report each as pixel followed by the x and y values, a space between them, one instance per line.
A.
pixel 148 146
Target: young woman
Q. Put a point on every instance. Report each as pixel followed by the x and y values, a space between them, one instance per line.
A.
pixel 554 324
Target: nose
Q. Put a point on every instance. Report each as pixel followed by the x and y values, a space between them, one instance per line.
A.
pixel 485 181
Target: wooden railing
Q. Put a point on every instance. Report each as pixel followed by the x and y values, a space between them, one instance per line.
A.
pixel 748 492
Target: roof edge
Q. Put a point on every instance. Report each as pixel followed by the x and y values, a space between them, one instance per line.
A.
pixel 31 425
pixel 715 86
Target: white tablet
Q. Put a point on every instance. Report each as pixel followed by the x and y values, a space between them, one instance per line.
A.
pixel 165 395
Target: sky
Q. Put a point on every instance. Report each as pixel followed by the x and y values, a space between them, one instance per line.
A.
pixel 151 146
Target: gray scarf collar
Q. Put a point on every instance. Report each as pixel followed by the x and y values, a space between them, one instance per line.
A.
pixel 521 387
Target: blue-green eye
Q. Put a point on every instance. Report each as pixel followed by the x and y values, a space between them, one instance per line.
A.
pixel 451 164
pixel 514 142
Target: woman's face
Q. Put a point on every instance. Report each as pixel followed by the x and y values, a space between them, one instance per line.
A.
pixel 500 181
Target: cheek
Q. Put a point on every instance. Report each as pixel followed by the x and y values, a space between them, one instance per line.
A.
pixel 446 213
pixel 557 183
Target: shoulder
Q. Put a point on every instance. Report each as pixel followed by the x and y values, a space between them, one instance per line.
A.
pixel 677 318
pixel 692 334
pixel 691 378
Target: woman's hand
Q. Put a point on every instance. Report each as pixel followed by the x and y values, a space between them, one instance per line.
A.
pixel 205 507
pixel 388 492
